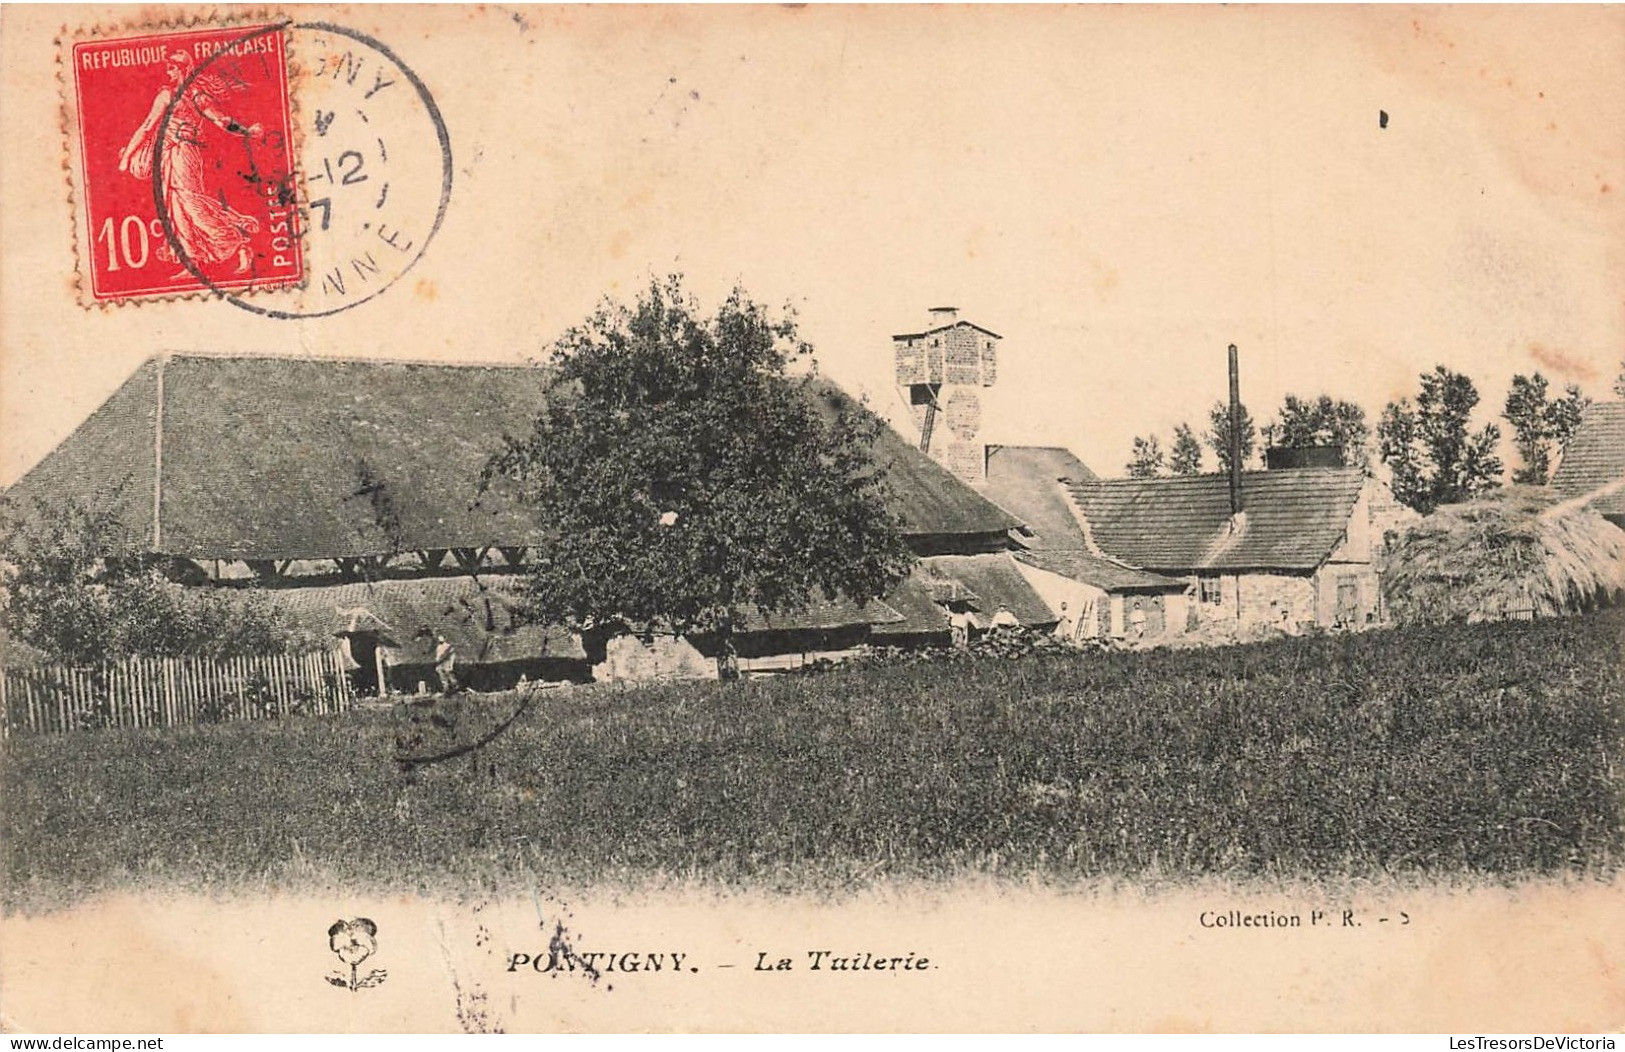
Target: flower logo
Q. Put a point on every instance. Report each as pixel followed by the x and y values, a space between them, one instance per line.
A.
pixel 354 941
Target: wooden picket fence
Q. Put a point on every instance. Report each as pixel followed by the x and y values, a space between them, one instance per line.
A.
pixel 170 692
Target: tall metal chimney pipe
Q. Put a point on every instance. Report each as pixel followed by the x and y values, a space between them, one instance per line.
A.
pixel 1235 433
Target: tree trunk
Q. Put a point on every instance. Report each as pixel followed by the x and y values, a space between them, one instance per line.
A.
pixel 727 655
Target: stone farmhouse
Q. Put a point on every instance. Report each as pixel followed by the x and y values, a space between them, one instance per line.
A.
pixel 1304 548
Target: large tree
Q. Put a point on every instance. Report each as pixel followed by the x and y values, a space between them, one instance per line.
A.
pixel 1430 448
pixel 682 478
pixel 1324 421
pixel 1218 436
pixel 1541 424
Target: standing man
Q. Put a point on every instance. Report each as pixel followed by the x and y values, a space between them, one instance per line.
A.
pixel 445 664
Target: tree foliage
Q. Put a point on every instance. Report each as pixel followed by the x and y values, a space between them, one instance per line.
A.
pixel 1434 456
pixel 1541 424
pixel 1324 421
pixel 682 478
pixel 1185 456
pixel 1218 436
pixel 1147 459
pixel 79 590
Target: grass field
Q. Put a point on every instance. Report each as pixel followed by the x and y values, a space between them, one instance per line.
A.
pixel 1476 751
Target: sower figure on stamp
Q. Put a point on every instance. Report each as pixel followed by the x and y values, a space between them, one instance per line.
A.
pixel 445 664
pixel 209 230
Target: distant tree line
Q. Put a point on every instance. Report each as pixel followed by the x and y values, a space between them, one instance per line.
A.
pixel 1434 452
pixel 1300 422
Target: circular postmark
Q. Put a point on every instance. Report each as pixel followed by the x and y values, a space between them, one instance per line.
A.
pixel 370 186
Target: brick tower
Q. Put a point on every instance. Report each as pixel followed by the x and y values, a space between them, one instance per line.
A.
pixel 944 367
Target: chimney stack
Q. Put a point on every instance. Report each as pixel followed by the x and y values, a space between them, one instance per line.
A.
pixel 1235 433
pixel 941 316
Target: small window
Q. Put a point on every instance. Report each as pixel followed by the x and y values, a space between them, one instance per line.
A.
pixel 1208 589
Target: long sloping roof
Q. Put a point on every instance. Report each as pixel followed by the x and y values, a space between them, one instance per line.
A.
pixel 921 616
pixel 1594 458
pixel 281 458
pixel 287 458
pixel 820 614
pixel 926 496
pixel 107 462
pixel 1099 571
pixel 993 579
pixel 1026 481
pixel 1292 520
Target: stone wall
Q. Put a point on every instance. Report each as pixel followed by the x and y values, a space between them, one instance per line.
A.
pixel 627 657
pixel 1285 600
pixel 1277 599
pixel 914 366
pixel 961 355
pixel 1349 595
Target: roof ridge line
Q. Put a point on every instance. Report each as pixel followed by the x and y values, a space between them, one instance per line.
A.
pixel 1246 474
pixel 281 356
pixel 1058 449
pixel 945 328
pixel 1080 518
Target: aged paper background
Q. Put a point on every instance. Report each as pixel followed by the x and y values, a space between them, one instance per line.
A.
pixel 1121 192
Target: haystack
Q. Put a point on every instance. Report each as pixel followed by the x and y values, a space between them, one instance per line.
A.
pixel 1515 552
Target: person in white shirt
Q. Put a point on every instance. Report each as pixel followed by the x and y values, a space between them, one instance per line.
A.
pixel 445 664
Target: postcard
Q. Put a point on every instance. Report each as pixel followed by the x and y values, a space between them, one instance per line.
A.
pixel 812 518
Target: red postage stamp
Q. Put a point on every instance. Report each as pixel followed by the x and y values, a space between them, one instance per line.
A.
pixel 185 170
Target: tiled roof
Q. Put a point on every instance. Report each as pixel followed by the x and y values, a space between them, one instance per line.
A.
pixel 1099 571
pixel 913 600
pixel 286 458
pixel 994 579
pixel 1291 519
pixel 821 613
pixel 1026 481
pixel 1595 458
